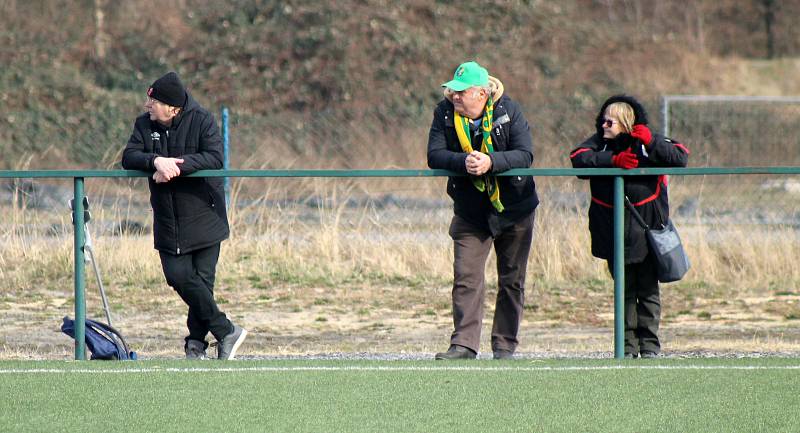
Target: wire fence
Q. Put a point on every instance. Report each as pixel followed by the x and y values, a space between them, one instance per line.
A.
pixel 302 241
pixel 720 131
pixel 730 131
pixel 362 258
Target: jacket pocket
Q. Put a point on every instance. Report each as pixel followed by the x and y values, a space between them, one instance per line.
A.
pixel 515 188
pixel 451 188
pixel 215 188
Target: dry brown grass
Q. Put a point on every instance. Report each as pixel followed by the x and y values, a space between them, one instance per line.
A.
pixel 339 276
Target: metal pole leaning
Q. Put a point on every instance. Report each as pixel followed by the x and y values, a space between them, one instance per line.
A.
pixel 619 268
pixel 89 249
pixel 80 278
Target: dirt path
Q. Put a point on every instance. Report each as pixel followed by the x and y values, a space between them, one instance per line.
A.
pixel 390 321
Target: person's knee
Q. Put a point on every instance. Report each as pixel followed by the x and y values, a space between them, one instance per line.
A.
pixel 511 283
pixel 177 278
pixel 466 271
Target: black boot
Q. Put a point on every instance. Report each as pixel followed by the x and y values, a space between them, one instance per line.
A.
pixel 457 352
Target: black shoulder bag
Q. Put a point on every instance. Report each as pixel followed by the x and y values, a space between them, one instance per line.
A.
pixel 666 247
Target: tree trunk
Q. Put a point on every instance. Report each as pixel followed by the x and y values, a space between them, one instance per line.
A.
pixel 769 21
pixel 100 36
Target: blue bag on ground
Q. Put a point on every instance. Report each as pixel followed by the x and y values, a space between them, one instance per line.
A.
pixel 102 340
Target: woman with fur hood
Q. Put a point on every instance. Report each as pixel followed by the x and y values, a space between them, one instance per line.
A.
pixel 623 140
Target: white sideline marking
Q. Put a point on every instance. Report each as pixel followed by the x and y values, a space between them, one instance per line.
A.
pixel 389 369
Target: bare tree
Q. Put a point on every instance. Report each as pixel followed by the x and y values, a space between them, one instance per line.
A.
pixel 769 21
pixel 700 24
pixel 100 36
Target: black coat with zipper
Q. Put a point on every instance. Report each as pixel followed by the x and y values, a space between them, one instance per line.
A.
pixel 513 148
pixel 648 194
pixel 188 212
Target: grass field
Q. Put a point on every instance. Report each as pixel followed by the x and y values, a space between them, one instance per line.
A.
pixel 669 395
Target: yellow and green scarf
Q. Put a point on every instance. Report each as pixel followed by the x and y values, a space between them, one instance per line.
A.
pixel 482 183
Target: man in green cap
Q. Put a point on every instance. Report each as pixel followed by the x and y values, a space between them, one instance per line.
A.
pixel 479 132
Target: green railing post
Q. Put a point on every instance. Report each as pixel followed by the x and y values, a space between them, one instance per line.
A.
pixel 619 268
pixel 80 280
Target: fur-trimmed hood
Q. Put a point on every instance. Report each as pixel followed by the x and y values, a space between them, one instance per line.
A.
pixel 494 84
pixel 639 113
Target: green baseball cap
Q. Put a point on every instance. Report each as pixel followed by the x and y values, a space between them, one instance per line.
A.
pixel 468 75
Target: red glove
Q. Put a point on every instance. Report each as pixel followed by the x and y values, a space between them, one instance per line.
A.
pixel 642 132
pixel 626 160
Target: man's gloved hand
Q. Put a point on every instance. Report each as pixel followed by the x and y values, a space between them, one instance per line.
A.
pixel 625 159
pixel 642 132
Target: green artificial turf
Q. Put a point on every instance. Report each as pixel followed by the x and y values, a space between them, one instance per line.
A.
pixel 683 395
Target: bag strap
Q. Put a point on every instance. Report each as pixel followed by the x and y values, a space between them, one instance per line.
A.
pixel 635 214
pixel 114 335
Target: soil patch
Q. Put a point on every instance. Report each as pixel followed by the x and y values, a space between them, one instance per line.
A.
pixel 291 321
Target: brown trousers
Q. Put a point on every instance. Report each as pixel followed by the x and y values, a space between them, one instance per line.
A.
pixel 471 247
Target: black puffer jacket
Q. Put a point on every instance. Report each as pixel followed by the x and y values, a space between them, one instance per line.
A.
pixel 648 194
pixel 513 149
pixel 188 213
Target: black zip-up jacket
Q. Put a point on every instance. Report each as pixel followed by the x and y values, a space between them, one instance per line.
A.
pixel 648 194
pixel 188 213
pixel 513 147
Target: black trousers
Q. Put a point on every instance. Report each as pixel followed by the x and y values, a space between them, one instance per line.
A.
pixel 192 276
pixel 642 306
pixel 471 247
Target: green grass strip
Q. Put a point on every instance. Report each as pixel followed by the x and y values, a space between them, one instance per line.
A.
pixel 692 395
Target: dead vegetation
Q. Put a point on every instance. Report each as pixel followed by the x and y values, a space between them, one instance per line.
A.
pixel 343 275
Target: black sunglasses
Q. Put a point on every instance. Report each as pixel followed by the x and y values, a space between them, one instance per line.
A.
pixel 608 122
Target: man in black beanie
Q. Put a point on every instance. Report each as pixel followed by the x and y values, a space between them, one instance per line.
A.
pixel 176 137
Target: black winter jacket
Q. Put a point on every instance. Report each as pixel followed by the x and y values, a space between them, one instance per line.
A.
pixel 648 194
pixel 513 147
pixel 188 213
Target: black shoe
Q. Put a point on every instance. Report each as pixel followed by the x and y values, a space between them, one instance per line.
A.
pixel 646 354
pixel 456 352
pixel 631 356
pixel 503 354
pixel 195 349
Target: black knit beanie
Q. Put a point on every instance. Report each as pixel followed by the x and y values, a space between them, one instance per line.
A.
pixel 169 90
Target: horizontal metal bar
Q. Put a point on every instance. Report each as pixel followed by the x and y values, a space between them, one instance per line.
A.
pixel 26 174
pixel 688 171
pixel 691 171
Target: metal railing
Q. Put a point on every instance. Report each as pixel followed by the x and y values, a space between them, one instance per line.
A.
pixel 79 177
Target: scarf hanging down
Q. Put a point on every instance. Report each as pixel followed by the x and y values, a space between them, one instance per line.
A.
pixel 482 183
